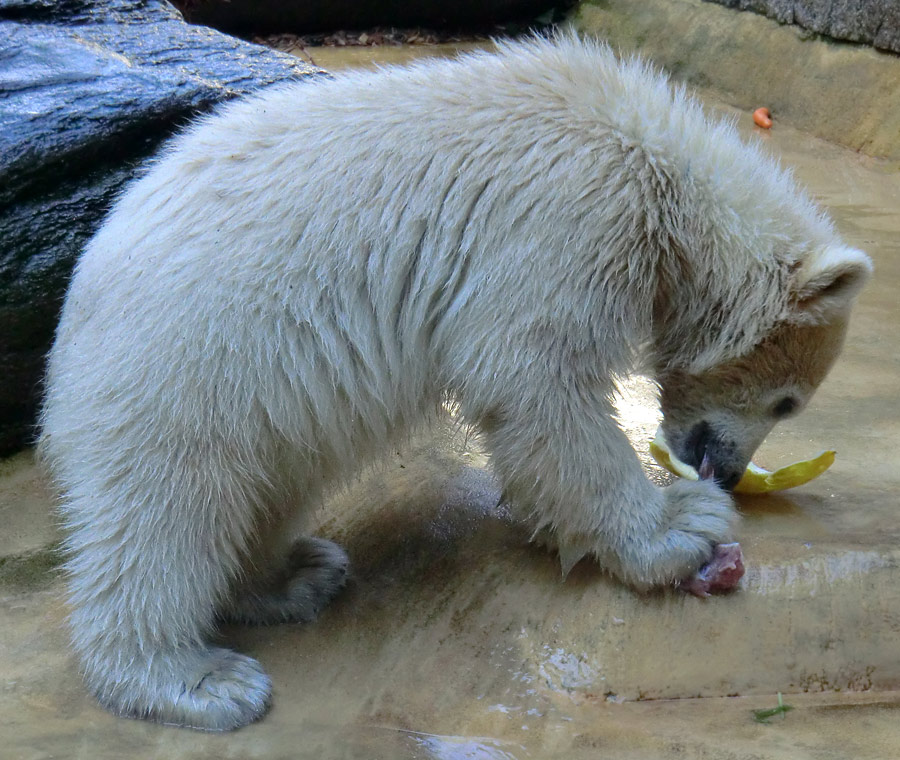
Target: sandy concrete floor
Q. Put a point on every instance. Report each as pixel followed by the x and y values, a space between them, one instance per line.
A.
pixel 458 640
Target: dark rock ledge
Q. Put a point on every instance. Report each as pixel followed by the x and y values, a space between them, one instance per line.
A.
pixel 88 89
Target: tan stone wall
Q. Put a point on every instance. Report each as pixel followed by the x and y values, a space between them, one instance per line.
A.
pixel 849 94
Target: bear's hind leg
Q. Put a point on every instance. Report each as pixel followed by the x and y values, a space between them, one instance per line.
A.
pixel 154 546
pixel 295 590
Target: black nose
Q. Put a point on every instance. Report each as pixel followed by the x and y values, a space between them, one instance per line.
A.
pixel 728 481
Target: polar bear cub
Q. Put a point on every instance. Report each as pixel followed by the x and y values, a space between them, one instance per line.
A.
pixel 304 275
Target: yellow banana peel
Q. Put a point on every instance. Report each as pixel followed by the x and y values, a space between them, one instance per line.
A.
pixel 755 479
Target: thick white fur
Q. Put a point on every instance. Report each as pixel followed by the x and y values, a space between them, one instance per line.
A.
pixel 305 274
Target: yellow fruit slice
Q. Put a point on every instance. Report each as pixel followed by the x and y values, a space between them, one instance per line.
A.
pixel 755 479
pixel 660 451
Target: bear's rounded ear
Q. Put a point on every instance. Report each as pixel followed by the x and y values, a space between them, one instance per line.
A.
pixel 828 282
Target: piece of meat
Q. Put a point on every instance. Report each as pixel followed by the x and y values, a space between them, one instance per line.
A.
pixel 721 573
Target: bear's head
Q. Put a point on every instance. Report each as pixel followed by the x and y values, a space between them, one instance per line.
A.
pixel 724 412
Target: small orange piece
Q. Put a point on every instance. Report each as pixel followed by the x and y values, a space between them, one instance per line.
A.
pixel 762 117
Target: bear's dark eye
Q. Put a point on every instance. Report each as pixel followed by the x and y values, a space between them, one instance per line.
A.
pixel 784 407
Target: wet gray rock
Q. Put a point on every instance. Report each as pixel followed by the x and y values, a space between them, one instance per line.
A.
pixel 874 22
pixel 88 90
pixel 306 16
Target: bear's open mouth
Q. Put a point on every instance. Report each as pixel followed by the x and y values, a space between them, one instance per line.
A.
pixel 696 445
pixel 707 453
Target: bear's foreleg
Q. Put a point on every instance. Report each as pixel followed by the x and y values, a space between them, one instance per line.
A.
pixel 564 459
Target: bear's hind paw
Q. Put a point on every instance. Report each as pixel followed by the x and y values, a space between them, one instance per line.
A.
pixel 211 690
pixel 316 571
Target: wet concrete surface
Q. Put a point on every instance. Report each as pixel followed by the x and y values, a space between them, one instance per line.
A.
pixel 334 58
pixel 456 639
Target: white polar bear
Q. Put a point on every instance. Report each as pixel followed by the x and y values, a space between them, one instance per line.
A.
pixel 306 274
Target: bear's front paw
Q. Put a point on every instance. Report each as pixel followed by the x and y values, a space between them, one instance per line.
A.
pixel 697 515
